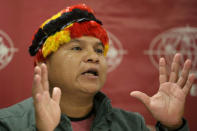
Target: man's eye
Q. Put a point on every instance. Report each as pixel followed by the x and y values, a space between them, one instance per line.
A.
pixel 99 51
pixel 76 48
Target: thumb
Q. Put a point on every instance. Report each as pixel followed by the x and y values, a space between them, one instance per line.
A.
pixel 145 99
pixel 56 95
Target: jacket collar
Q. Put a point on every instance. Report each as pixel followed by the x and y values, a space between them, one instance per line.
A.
pixel 102 106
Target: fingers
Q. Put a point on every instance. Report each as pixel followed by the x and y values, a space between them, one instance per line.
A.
pixel 44 75
pixel 162 71
pixel 145 99
pixel 189 83
pixel 56 95
pixel 40 82
pixel 37 87
pixel 175 68
pixel 184 74
pixel 37 70
pixel 42 100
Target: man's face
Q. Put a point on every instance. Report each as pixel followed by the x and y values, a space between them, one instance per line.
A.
pixel 78 66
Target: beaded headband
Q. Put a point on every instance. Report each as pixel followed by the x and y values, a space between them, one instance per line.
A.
pixel 72 22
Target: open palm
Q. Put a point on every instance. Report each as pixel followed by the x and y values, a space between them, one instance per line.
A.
pixel 47 109
pixel 167 105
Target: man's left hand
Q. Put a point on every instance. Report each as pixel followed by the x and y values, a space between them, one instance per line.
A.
pixel 167 105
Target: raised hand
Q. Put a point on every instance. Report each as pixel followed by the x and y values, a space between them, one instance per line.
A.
pixel 167 105
pixel 47 109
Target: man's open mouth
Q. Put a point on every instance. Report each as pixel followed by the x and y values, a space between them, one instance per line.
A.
pixel 93 72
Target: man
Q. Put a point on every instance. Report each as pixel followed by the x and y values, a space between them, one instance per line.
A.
pixel 71 68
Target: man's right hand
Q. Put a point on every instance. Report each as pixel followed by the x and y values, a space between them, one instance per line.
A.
pixel 47 109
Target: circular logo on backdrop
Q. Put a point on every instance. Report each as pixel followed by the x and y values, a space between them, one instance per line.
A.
pixel 115 53
pixel 166 44
pixel 7 49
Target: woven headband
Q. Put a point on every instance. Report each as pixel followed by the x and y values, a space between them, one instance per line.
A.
pixel 53 26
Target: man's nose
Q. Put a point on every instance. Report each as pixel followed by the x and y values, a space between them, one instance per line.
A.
pixel 91 57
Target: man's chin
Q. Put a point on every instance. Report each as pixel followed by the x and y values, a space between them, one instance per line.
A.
pixel 89 85
pixel 90 88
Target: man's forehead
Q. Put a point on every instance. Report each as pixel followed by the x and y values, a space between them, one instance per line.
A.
pixel 87 39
